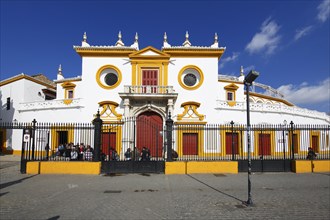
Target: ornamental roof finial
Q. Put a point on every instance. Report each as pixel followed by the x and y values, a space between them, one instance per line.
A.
pixel 119 41
pixel 85 37
pixel 135 45
pixel 59 70
pixel 136 37
pixel 186 43
pixel 84 41
pixel 215 44
pixel 242 71
pixel 165 44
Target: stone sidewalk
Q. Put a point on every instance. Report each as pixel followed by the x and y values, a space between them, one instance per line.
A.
pixel 157 196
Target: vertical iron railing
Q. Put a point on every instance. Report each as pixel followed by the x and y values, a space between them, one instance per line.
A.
pixel 207 142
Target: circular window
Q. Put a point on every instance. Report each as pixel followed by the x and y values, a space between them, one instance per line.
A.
pixel 111 79
pixel 190 77
pixel 108 77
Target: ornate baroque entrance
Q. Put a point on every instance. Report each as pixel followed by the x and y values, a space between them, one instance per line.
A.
pixel 144 131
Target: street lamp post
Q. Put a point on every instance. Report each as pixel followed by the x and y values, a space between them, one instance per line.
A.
pixel 248 82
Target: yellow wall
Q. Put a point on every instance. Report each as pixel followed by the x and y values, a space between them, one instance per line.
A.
pixel 179 167
pixel 59 167
pixel 308 166
pixel 191 167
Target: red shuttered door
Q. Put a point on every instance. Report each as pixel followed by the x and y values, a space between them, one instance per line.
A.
pixel 229 143
pixel 150 78
pixel 190 144
pixel 264 144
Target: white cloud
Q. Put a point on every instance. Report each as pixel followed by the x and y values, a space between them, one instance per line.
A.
pixel 307 94
pixel 229 59
pixel 266 40
pixel 324 10
pixel 302 32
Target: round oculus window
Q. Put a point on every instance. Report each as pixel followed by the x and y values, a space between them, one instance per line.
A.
pixel 111 79
pixel 190 79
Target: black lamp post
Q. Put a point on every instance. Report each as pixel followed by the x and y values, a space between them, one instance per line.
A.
pixel 248 82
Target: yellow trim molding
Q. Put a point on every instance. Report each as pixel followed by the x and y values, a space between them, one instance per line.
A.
pixel 190 112
pixel 149 58
pixel 183 70
pixel 194 52
pixel 231 88
pixel 98 76
pixel 256 142
pixel 108 112
pixel 270 98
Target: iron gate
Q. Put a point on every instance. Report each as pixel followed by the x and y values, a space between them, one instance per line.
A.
pixel 133 146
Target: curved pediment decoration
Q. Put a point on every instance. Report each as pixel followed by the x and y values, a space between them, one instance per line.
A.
pixel 231 86
pixel 108 112
pixel 68 85
pixel 190 112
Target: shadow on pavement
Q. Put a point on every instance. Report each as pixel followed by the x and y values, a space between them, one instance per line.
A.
pixel 54 218
pixel 4 185
pixel 215 189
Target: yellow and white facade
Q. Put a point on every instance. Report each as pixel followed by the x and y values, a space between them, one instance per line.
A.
pixel 126 81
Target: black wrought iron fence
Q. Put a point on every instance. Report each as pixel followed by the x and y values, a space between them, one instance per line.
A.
pixel 208 142
pixel 268 142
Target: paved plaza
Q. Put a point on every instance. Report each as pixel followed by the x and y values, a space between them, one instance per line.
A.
pixel 158 196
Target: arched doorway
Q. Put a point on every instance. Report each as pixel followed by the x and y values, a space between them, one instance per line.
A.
pixel 149 133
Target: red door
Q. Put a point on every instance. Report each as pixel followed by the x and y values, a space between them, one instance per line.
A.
pixel 108 142
pixel 150 78
pixel 295 143
pixel 264 144
pixel 190 144
pixel 229 138
pixel 315 143
pixel 149 127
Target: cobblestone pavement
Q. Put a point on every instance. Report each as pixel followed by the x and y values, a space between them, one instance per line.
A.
pixel 157 196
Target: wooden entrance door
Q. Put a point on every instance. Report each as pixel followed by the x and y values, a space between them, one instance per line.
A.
pixel 149 133
pixel 264 144
pixel 231 139
pixel 150 78
pixel 108 143
pixel 190 144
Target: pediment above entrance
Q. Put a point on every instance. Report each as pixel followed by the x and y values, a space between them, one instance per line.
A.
pixel 149 52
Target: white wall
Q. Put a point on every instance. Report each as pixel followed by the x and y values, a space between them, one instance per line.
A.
pixel 205 94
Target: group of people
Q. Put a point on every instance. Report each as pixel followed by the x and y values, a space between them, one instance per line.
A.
pixel 75 152
pixel 144 155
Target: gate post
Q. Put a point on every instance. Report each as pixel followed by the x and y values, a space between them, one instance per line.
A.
pixel 97 136
pixel 292 144
pixel 33 136
pixel 232 141
pixel 169 129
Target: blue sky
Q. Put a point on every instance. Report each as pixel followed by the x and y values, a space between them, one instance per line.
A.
pixel 287 41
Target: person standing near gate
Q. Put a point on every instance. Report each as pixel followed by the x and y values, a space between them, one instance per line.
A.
pixel 144 154
pixel 128 154
pixel 311 155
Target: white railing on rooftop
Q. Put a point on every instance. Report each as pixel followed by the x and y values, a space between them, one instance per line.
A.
pixel 278 108
pixel 50 104
pixel 149 89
